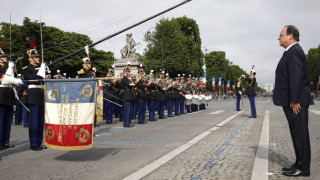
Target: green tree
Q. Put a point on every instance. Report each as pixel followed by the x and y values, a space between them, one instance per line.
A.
pixel 178 42
pixel 313 59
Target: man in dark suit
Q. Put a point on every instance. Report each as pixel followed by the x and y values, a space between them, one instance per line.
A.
pixel 291 91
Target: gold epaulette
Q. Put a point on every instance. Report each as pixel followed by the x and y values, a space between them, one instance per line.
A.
pixel 81 71
pixel 25 67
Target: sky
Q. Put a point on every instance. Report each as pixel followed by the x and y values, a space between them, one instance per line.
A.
pixel 247 30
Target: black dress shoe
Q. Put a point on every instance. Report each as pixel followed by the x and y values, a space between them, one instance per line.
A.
pixel 297 172
pixel 43 146
pixel 252 117
pixel 96 125
pixel 111 122
pixel 142 122
pixel 8 146
pixel 128 125
pixel 36 148
pixel 292 167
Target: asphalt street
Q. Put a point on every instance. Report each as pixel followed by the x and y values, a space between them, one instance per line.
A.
pixel 216 143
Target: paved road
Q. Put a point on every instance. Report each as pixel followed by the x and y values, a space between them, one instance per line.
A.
pixel 217 143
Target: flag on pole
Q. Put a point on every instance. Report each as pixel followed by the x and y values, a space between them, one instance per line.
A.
pixel 220 80
pixel 69 114
pixel 213 83
pixel 228 85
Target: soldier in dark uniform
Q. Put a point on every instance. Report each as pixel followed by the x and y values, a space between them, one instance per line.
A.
pixel 86 67
pixel 7 100
pixel 161 98
pixel 170 99
pixel 35 99
pixel 127 97
pixel 108 106
pixel 177 97
pixel 152 96
pixel 182 94
pixel 251 82
pixel 142 99
pixel 238 94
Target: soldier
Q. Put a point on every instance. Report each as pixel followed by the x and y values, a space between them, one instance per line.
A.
pixel 170 99
pixel 108 106
pixel 35 99
pixel 182 95
pixel 251 82
pixel 127 97
pixel 142 96
pixel 152 96
pixel 7 100
pixel 86 67
pixel 161 98
pixel 177 97
pixel 238 94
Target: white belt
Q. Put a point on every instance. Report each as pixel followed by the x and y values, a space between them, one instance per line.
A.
pixel 34 86
pixel 4 85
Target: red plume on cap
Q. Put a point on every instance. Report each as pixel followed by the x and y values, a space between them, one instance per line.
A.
pixel 0 46
pixel 33 43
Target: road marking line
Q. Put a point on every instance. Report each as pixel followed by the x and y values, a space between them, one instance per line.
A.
pixel 217 112
pixel 260 166
pixel 225 121
pixel 316 112
pixel 164 159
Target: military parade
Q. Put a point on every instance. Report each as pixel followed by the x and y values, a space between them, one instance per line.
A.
pixel 83 105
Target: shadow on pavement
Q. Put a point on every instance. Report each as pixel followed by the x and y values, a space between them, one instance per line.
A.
pixel 94 154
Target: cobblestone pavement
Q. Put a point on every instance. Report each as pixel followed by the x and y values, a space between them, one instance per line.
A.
pixel 226 152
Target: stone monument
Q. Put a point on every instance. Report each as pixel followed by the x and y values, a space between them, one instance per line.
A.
pixel 129 56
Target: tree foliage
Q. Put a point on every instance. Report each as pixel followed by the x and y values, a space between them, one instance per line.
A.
pixel 313 59
pixel 175 46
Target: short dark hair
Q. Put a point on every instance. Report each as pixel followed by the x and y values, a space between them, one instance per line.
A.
pixel 291 29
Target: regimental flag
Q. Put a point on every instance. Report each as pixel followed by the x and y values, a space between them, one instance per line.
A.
pixel 69 115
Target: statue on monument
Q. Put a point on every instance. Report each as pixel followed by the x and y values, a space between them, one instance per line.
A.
pixel 128 50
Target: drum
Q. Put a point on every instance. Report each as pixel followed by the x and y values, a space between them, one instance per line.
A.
pixel 195 99
pixel 201 99
pixel 188 99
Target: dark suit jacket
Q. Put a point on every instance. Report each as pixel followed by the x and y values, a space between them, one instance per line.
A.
pixel 291 84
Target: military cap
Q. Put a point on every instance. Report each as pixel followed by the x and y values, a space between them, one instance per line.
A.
pixel 86 60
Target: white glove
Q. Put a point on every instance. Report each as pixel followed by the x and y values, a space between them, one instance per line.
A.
pixel 11 80
pixel 240 92
pixel 42 70
pixel 243 76
pixel 9 71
